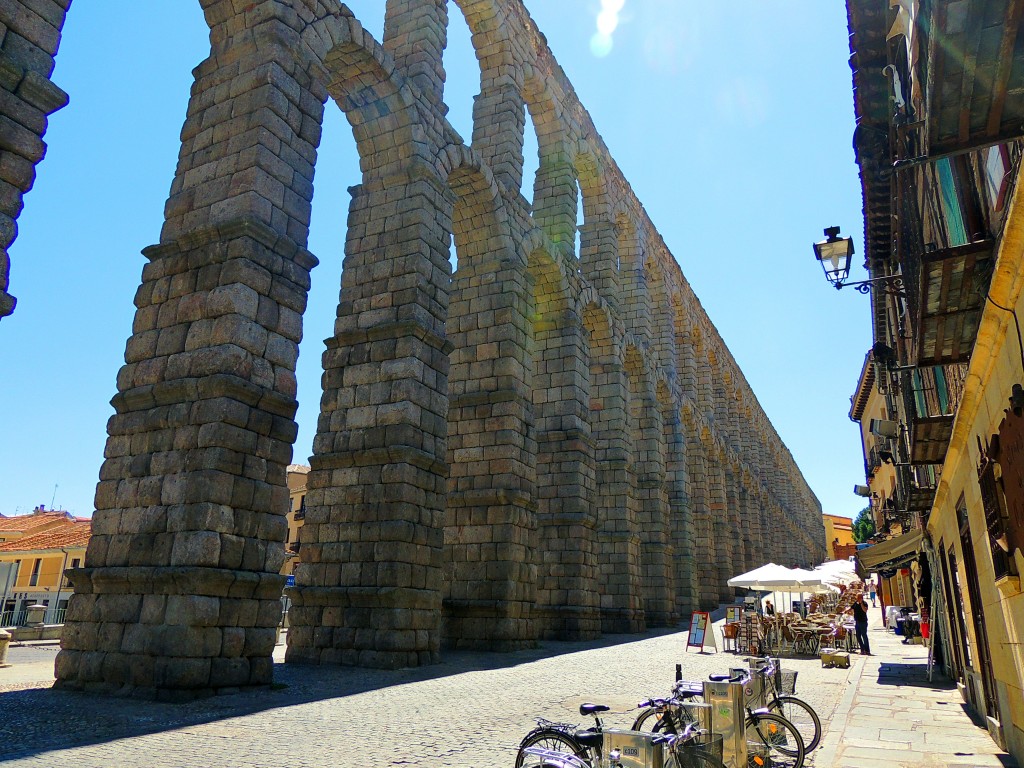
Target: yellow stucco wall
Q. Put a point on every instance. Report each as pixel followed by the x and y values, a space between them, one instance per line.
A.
pixel 51 567
pixel 996 365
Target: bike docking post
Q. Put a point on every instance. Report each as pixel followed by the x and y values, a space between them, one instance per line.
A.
pixel 727 717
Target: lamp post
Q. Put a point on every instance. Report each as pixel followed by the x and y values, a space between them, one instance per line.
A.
pixel 834 252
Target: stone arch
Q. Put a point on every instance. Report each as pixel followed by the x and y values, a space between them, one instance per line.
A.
pixel 594 232
pixel 479 223
pixel 662 330
pixel 228 402
pixel 555 188
pixel 499 110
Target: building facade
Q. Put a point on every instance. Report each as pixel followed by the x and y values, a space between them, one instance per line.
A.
pixel 940 118
pixel 838 536
pixel 552 441
pixel 41 547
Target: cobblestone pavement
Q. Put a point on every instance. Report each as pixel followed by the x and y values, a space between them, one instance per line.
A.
pixel 471 710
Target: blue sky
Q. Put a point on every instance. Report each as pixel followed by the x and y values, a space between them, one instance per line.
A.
pixel 734 128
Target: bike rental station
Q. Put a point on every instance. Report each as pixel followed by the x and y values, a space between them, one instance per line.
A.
pixel 746 717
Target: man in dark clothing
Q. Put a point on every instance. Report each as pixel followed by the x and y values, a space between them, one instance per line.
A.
pixel 860 619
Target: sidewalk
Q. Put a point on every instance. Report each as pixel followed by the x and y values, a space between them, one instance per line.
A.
pixel 893 717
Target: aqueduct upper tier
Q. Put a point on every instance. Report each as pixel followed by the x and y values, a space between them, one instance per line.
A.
pixel 551 442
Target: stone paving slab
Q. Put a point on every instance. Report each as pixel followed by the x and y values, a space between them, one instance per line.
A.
pixel 893 716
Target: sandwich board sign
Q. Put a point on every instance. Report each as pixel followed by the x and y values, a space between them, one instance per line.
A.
pixel 701 633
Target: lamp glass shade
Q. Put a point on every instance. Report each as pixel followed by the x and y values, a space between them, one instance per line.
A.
pixel 834 255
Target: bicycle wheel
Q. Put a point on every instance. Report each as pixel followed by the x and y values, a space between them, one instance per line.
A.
pixel 549 738
pixel 648 720
pixel 655 721
pixel 773 742
pixel 802 715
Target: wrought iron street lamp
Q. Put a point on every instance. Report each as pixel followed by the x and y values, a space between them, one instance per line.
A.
pixel 834 252
pixel 834 255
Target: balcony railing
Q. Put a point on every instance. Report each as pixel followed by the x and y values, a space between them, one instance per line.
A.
pixel 13 618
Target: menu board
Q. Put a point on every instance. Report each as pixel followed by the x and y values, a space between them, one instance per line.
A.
pixel 733 613
pixel 698 630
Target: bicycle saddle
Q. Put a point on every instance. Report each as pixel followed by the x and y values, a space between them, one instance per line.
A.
pixel 589 709
pixel 589 738
pixel 720 677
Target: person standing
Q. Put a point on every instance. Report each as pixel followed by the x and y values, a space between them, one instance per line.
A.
pixel 769 609
pixel 860 620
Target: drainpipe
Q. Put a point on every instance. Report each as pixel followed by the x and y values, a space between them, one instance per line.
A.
pixel 60 582
pixel 7 588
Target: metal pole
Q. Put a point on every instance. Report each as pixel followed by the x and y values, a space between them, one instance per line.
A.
pixel 60 582
pixel 7 587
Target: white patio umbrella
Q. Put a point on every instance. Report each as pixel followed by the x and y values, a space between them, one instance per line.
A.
pixel 839 572
pixel 767 578
pixel 770 578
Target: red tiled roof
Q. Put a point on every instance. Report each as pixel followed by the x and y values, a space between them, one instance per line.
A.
pixel 67 536
pixel 25 523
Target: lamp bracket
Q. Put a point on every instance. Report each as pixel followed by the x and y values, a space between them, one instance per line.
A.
pixel 890 284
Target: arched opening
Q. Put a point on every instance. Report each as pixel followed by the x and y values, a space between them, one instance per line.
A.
pixel 531 160
pixel 555 192
pixel 462 74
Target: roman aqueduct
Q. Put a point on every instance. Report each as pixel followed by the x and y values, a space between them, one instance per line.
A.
pixel 546 444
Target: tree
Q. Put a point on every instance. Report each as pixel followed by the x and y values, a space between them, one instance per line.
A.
pixel 863 526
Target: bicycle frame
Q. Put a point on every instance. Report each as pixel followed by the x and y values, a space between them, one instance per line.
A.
pixel 553 759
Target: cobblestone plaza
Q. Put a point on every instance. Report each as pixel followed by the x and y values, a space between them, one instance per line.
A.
pixel 473 709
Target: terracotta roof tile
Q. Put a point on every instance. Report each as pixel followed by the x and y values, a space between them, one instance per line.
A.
pixel 27 523
pixel 66 536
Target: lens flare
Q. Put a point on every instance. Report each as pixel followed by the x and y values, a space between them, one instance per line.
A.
pixel 607 22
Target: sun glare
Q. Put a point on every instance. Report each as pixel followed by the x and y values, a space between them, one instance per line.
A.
pixel 607 22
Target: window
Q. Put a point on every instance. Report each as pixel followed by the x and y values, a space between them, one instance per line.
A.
pixel 34 578
pixel 956 232
pixel 994 504
pixel 76 562
pixel 941 390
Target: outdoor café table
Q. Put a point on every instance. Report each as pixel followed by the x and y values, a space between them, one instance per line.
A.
pixel 805 637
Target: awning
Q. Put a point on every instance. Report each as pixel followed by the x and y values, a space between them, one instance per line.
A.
pixel 892 553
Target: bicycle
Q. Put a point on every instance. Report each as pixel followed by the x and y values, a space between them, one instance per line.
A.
pixel 778 697
pixel 772 740
pixel 773 697
pixel 562 745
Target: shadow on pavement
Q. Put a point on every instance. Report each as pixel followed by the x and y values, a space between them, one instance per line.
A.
pixel 899 673
pixel 59 719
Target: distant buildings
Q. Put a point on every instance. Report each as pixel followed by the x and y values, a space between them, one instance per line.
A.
pixel 838 537
pixel 35 550
pixel 297 476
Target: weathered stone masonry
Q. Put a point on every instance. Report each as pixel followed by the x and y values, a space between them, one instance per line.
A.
pixel 29 36
pixel 544 444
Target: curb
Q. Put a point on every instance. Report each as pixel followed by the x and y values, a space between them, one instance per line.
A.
pixel 837 727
